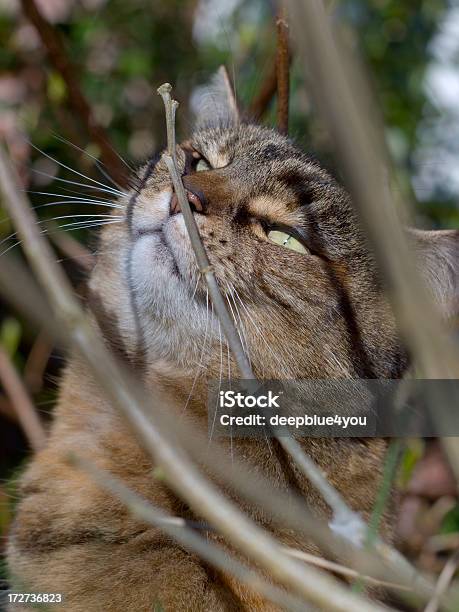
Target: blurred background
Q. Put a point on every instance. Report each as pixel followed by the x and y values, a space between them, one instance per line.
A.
pixel 118 53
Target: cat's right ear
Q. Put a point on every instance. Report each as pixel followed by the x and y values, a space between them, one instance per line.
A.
pixel 215 103
pixel 438 259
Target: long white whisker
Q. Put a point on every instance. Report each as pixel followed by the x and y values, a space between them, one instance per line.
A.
pixel 201 358
pixel 81 197
pixel 58 178
pixel 78 195
pixel 250 318
pixel 219 380
pixel 87 224
pixel 88 178
pixel 79 202
pixel 99 164
pixel 236 324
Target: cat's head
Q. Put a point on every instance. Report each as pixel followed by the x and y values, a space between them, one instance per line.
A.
pixel 287 252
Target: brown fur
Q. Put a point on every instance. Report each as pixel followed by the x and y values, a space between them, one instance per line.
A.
pixel 317 315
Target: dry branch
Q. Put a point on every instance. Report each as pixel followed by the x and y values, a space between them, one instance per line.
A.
pixel 180 474
pixel 256 490
pixel 177 529
pixel 36 363
pixel 282 70
pixel 343 99
pixel 59 58
pixel 443 583
pixel 21 402
pixel 201 256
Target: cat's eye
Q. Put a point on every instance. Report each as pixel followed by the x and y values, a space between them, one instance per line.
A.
pixel 202 165
pixel 286 240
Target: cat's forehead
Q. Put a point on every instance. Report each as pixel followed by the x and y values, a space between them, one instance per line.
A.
pixel 222 145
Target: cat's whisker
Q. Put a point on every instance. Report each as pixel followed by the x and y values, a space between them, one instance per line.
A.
pixel 99 164
pixel 219 380
pixel 89 224
pixel 229 381
pixel 68 228
pixel 87 216
pixel 88 178
pixel 201 359
pixel 195 287
pixel 43 221
pixel 79 203
pixel 237 326
pixel 239 323
pixel 78 195
pixel 258 330
pixel 82 198
pixel 108 190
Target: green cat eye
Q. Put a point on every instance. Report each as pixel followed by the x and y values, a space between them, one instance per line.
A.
pixel 286 240
pixel 202 165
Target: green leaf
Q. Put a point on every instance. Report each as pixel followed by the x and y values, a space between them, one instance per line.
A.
pixel 57 89
pixel 10 335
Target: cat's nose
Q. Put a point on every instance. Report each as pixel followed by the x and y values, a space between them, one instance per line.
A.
pixel 194 199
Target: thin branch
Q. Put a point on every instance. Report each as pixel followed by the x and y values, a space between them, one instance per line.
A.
pixel 201 256
pixel 37 360
pixel 180 474
pixel 443 582
pixel 21 402
pixel 59 58
pixel 282 70
pixel 342 570
pixel 257 490
pixel 178 529
pixel 345 103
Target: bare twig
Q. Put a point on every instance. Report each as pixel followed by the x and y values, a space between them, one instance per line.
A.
pixel 59 58
pixel 181 475
pixel 443 582
pixel 342 570
pixel 21 402
pixel 282 70
pixel 37 360
pixel 177 529
pixel 345 104
pixel 201 256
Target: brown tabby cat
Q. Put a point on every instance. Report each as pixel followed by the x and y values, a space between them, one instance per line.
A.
pixel 295 267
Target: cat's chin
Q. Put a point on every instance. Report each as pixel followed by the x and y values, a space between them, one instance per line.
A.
pixel 157 280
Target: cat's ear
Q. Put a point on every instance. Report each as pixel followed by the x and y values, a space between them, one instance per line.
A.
pixel 215 103
pixel 438 260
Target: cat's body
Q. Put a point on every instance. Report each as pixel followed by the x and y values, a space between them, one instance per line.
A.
pixel 320 313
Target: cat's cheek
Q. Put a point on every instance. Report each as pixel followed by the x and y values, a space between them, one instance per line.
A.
pixel 151 211
pixel 152 269
pixel 178 241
